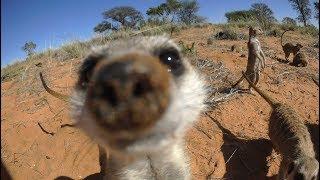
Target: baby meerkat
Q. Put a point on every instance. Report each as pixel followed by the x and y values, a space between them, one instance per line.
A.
pixel 300 59
pixel 292 140
pixel 136 98
pixel 289 48
pixel 256 58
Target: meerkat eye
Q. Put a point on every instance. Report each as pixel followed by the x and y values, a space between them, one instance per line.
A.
pixel 172 59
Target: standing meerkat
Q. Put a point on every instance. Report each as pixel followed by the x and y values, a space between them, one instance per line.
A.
pixel 256 58
pixel 292 140
pixel 136 98
pixel 289 48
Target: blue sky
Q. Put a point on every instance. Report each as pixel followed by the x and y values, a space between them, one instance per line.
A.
pixel 52 22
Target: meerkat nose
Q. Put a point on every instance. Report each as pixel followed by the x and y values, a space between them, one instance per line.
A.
pixel 120 81
pixel 129 92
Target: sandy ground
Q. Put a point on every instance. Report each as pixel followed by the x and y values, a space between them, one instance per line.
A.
pixel 229 141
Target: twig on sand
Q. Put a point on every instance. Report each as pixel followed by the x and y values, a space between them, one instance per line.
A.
pixel 67 125
pixel 45 131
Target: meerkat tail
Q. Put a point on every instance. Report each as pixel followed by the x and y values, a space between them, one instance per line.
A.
pixel 282 36
pixel 263 94
pixel 52 92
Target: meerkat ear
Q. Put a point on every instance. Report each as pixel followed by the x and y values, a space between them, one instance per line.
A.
pixel 86 69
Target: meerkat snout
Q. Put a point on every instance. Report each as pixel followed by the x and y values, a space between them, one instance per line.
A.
pixel 128 93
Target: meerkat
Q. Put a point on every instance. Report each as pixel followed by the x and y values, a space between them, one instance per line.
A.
pixel 136 98
pixel 289 48
pixel 291 139
pixel 256 58
pixel 300 59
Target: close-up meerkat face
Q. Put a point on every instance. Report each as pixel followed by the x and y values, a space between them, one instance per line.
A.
pixel 137 94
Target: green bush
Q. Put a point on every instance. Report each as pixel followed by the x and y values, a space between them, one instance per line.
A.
pixel 274 31
pixel 229 34
pixel 309 30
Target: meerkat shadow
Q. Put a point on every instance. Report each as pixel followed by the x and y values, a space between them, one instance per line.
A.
pixel 95 176
pixel 250 160
pixel 4 172
pixel 245 159
pixel 314 133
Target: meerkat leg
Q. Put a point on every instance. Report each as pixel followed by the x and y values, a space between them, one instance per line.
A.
pixel 287 55
pixel 257 78
pixel 282 170
pixel 253 77
pixel 238 82
pixel 304 63
pixel 255 82
pixel 103 158
pixel 295 62
pixel 263 60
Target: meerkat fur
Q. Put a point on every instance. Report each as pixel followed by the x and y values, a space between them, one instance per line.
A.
pixel 289 48
pixel 160 153
pixel 256 58
pixel 291 139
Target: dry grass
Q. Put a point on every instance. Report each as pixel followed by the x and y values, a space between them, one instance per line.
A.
pixel 78 49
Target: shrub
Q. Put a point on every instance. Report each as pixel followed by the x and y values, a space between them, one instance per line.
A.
pixel 229 33
pixel 239 16
pixel 310 30
pixel 274 31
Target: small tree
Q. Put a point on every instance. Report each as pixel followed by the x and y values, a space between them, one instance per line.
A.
pixel 155 11
pixel 303 8
pixel 263 14
pixel 172 8
pixel 29 48
pixel 240 16
pixel 122 16
pixel 289 21
pixel 125 15
pixel 188 12
pixel 167 11
pixel 316 8
pixel 102 27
